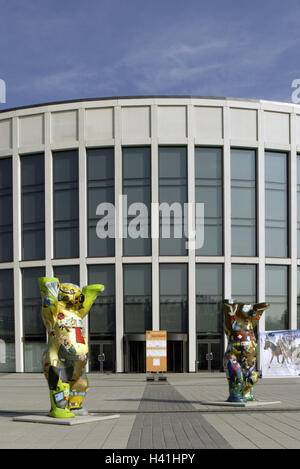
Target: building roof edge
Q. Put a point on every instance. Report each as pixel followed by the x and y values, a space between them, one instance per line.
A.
pixel 110 98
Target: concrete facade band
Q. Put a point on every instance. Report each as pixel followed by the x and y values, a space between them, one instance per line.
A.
pixel 153 122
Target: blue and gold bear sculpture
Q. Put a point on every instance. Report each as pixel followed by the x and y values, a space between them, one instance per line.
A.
pixel 63 308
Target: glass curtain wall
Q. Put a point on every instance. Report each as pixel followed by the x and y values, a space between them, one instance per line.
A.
pixel 137 190
pixel 277 295
pixel 208 190
pixel 173 284
pixel 276 204
pixel 7 323
pixel 172 197
pixel 137 298
pixel 298 297
pixel 298 205
pixel 243 286
pixel 66 204
pixel 102 317
pixel 6 210
pixel 33 207
pixel 209 296
pixel 243 202
pixel 34 331
pixel 100 171
pixel 67 273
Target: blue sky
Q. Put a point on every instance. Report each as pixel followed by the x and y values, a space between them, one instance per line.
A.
pixel 55 50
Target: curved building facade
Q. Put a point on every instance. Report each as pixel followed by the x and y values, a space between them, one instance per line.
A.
pixel 113 191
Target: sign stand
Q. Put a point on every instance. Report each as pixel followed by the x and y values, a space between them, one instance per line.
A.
pixel 156 355
pixel 156 376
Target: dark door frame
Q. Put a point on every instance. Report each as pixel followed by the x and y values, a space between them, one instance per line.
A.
pixel 102 342
pixel 209 341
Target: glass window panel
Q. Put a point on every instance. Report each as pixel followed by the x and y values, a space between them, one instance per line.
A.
pixel 102 316
pixel 298 203
pixel 277 295
pixel 6 211
pixel 208 190
pixel 276 204
pixel 137 298
pixel 243 286
pixel 298 297
pixel 100 169
pixel 172 190
pixel 66 204
pixel 33 327
pixel 137 189
pixel 173 298
pixel 32 306
pixel 33 206
pixel 33 352
pixel 7 323
pixel 67 274
pixel 243 202
pixel 209 296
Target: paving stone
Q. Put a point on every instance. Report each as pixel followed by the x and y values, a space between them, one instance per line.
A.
pixel 177 430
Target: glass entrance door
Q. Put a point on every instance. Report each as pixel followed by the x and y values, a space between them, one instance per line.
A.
pixel 175 356
pixel 137 356
pixel 209 355
pixel 102 356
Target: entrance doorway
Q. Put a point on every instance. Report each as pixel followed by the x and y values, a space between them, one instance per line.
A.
pixel 135 353
pixel 176 356
pixel 102 356
pixel 176 353
pixel 209 355
pixel 137 357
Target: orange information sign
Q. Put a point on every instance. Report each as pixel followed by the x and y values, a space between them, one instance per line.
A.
pixel 156 351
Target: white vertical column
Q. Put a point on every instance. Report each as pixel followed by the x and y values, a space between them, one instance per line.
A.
pixel 260 219
pixel 119 242
pixel 17 245
pixel 82 189
pixel 293 224
pixel 261 294
pixel 227 202
pixel 48 196
pixel 155 219
pixel 226 207
pixel 82 171
pixel 191 252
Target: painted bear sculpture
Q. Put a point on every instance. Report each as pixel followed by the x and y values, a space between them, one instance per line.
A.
pixel 240 320
pixel 64 306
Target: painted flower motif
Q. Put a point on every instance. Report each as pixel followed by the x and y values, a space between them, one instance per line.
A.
pixel 61 316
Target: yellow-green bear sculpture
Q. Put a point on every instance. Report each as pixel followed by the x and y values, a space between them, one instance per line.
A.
pixel 63 308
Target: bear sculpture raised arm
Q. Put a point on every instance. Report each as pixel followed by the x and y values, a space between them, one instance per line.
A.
pixel 63 308
pixel 240 320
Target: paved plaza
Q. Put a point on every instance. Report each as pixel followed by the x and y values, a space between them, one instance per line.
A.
pixel 176 414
